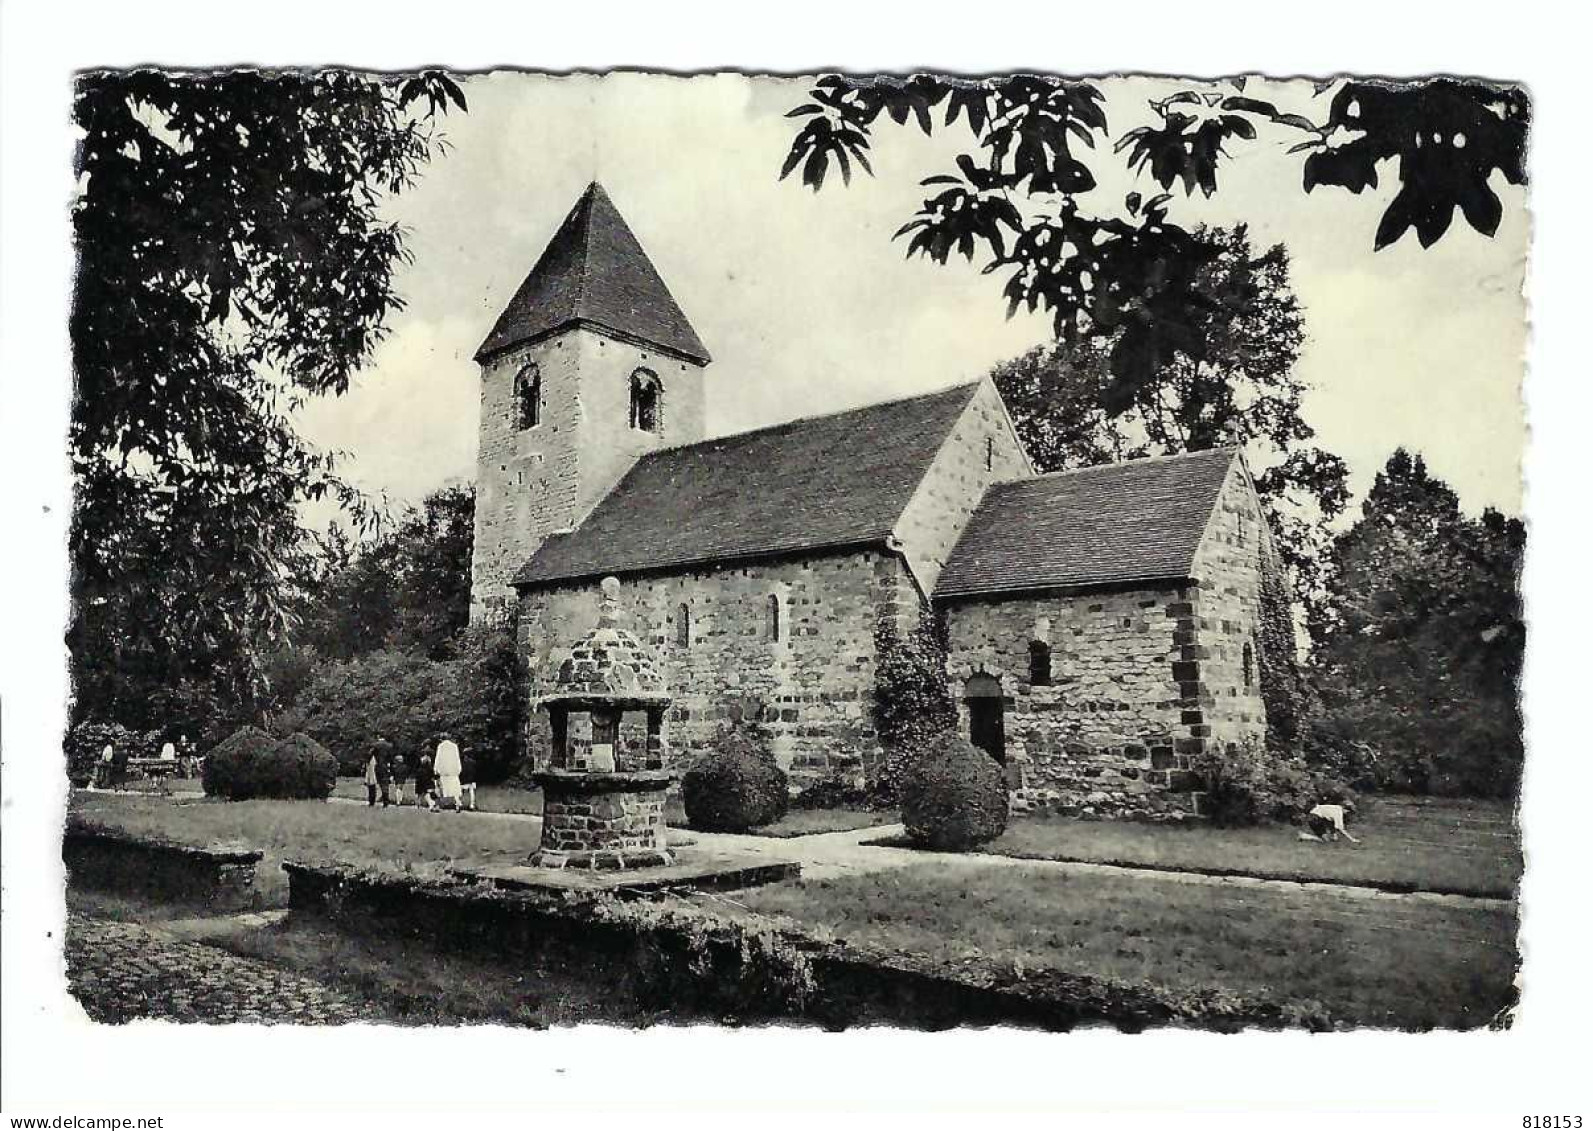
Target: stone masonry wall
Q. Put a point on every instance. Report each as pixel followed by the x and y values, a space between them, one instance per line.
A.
pixel 940 508
pixel 1143 681
pixel 818 676
pixel 546 479
pixel 1228 564
pixel 1111 735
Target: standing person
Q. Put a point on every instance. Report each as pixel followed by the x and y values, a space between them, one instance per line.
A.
pixel 400 776
pixel 384 770
pixel 467 781
pixel 116 772
pixel 371 778
pixel 448 768
pixel 426 784
pixel 102 772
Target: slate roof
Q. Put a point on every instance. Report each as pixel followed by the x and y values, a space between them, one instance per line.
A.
pixel 823 482
pixel 1140 520
pixel 594 272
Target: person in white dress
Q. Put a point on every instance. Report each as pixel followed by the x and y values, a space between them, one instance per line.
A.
pixel 447 766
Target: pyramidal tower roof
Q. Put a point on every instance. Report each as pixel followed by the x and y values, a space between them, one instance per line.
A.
pixel 594 272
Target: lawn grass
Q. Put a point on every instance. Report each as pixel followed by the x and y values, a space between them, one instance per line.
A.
pixel 1379 961
pixel 1463 847
pixel 802 822
pixel 499 798
pixel 1367 959
pixel 401 840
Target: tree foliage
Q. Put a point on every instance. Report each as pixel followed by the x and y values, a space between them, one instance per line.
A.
pixel 1072 409
pixel 408 700
pixel 1018 199
pixel 232 261
pixel 1423 655
pixel 407 587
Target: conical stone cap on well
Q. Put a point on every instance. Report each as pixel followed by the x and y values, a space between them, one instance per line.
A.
pixel 609 665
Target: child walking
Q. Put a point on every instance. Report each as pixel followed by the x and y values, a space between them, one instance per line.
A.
pixel 400 776
pixel 426 784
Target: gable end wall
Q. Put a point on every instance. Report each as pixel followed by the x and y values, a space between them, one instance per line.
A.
pixel 945 500
pixel 1228 615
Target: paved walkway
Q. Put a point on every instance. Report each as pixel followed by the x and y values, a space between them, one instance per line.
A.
pixel 123 971
pixel 825 856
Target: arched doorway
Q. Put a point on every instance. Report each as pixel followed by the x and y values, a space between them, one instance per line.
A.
pixel 987 727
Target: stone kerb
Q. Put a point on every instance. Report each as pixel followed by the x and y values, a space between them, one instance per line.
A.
pixel 110 860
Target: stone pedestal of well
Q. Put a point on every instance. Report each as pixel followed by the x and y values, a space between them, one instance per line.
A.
pixel 603 820
pixel 603 795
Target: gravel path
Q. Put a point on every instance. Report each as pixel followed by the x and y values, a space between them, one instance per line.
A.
pixel 122 971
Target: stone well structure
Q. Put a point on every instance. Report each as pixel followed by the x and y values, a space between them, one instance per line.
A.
pixel 603 793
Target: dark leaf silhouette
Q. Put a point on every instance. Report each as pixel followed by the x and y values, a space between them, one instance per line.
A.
pixel 233 261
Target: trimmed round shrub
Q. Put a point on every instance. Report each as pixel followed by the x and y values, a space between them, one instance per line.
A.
pixel 253 764
pixel 299 768
pixel 954 796
pixel 231 767
pixel 737 785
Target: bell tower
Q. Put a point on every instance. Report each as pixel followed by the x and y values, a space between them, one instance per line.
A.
pixel 590 366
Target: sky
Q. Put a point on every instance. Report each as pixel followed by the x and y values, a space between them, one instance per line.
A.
pixel 808 306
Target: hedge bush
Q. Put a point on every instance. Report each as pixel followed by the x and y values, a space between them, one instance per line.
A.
pixel 737 785
pixel 408 699
pixel 836 792
pixel 954 796
pixel 1251 786
pixel 85 741
pixel 252 764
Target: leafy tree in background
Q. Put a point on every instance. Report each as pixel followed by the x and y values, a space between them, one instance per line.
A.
pixel 347 603
pixel 232 261
pixel 1071 410
pixel 408 699
pixel 434 546
pixel 1423 654
pixel 1019 198
pixel 407 588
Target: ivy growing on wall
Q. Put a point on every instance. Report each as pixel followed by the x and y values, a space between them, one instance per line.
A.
pixel 1277 663
pixel 913 703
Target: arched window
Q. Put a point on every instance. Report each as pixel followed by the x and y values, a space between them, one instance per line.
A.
pixel 683 626
pixel 773 626
pixel 1039 663
pixel 1250 665
pixel 646 400
pixel 990 453
pixel 528 397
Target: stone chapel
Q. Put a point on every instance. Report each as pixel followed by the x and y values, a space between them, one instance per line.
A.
pixel 1102 624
